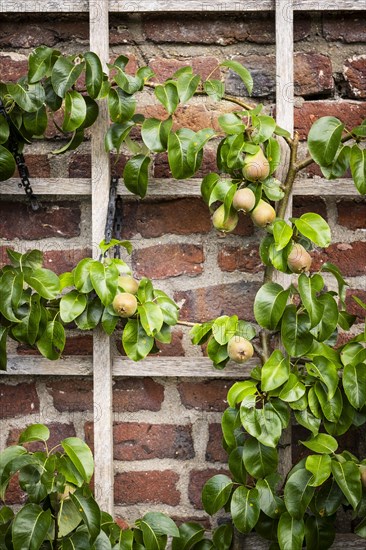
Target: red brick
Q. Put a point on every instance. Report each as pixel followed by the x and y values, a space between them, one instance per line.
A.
pixel 38 166
pixel 214 450
pixel 355 74
pixel 204 66
pixel 349 112
pixel 352 306
pixel 58 432
pixel 64 260
pixel 197 479
pixel 240 258
pixel 203 304
pixel 302 205
pixel 60 219
pixel 155 487
pixel 18 400
pixel 313 74
pixel 14 494
pixel 136 394
pixel 168 260
pixel 80 165
pixel 12 69
pixel 17 35
pixel 209 395
pixel 71 395
pixel 75 345
pixel 175 348
pixel 352 214
pixel 348 28
pixel 349 257
pixel 25 32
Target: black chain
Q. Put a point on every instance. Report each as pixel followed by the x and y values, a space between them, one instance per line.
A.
pixel 20 161
pixel 113 226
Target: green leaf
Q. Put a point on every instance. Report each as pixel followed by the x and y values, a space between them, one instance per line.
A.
pixel 340 164
pixel 293 390
pixel 155 133
pixel 264 127
pixel 354 384
pixel 187 85
pixel 241 71
pixel 82 279
pixel 44 281
pixel 324 139
pixel 76 139
pixel 72 305
pixel 36 122
pixel 121 105
pixel 7 164
pixel 275 371
pixel 75 111
pixel 239 390
pixel 231 123
pixel 64 75
pixel 149 537
pixel 290 532
pixel 320 467
pixel 136 343
pixel 39 63
pixel 217 353
pixel 263 424
pixel 145 292
pixel 295 331
pixel 168 307
pixel 91 315
pixel 29 97
pixel 224 328
pixel 222 537
pixel 189 534
pixel 11 288
pixel 161 524
pixel 104 280
pixel 178 143
pixel 348 478
pixel 298 493
pixel 116 135
pixel 151 318
pixel 322 443
pixel 332 408
pixel 328 498
pixel 358 168
pixel 329 320
pixel 245 508
pixel 259 460
pixel 80 456
pixel 35 432
pixel 319 533
pixel 89 511
pixel 30 527
pixel 282 234
pixel 4 129
pixel 167 94
pixel 308 420
pixel 360 529
pixel 52 100
pixel 325 371
pixel 270 504
pixel 236 465
pixel 135 175
pixel 215 89
pixel 194 149
pixel 93 74
pixel 273 154
pixel 52 341
pixel 308 288
pixel 353 353
pixel 269 304
pixel 216 493
pixel 314 227
pixel 272 189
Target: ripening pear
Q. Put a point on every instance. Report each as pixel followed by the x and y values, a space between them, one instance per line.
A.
pixel 219 222
pixel 239 349
pixel 263 214
pixel 299 259
pixel 256 167
pixel 125 304
pixel 244 199
pixel 128 283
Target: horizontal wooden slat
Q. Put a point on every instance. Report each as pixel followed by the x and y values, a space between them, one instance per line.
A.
pixel 166 367
pixel 189 6
pixel 169 188
pixel 342 542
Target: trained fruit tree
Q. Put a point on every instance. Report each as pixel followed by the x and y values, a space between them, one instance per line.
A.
pixel 301 375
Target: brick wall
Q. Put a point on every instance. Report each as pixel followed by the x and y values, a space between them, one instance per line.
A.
pixel 166 432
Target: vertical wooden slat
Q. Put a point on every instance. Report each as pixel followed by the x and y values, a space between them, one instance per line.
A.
pixel 102 360
pixel 285 118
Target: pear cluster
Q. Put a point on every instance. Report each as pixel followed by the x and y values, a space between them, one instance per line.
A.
pixel 125 303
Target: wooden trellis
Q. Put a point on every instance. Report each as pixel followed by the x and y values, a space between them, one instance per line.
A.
pixel 102 365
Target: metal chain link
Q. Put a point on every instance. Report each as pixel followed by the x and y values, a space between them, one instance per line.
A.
pixel 113 226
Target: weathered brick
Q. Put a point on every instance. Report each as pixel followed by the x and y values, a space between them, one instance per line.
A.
pixel 64 260
pixel 38 166
pixel 58 432
pixel 18 400
pixel 14 494
pixel 355 74
pixel 175 348
pixel 349 257
pixel 17 35
pixel 136 394
pixel 164 68
pixel 168 260
pixel 352 306
pixel 348 28
pixel 12 69
pixel 197 479
pixel 209 395
pixel 349 112
pixel 80 165
pixel 313 74
pixel 156 487
pixel 203 304
pixel 352 214
pixel 214 450
pixel 60 219
pixel 71 395
pixel 303 204
pixel 240 258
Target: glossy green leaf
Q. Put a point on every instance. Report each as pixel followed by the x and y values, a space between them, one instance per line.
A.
pixel 224 328
pixel 217 353
pixel 75 111
pixel 342 284
pixel 259 460
pixel 80 456
pixel 324 139
pixel 348 478
pixel 328 498
pixel 320 467
pixel 329 320
pixel 7 164
pixel 239 390
pixel 161 524
pixel 263 424
pixel 354 384
pixel 39 63
pixel 135 175
pixel 358 168
pixel 295 333
pixel 121 106
pixel 242 72
pixel 178 143
pixel 76 139
pixel 275 371
pixel 30 527
pixel 104 280
pixel 4 130
pixel 264 127
pixel 339 165
pixel 72 305
pixel 91 315
pixel 215 89
pixel 293 390
pixel 344 422
pixel 36 122
pixel 11 288
pixel 308 420
pixel 52 341
pixel 308 289
pixel 314 227
pixel 245 508
pixel 231 123
pixel 216 493
pixel 269 304
pixel 273 154
pixel 195 147
pixel 168 96
pixel 29 97
pixel 93 74
pixel 35 432
pixel 298 493
pixel 236 465
pixel 64 74
pixel 272 189
pixel 187 85
pixel 319 533
pixel 325 371
pixel 168 307
pixel 88 509
pixel 155 133
pixel 360 529
pixel 222 537
pixel 322 443
pixel 129 84
pixel 190 533
pixel 353 354
pixel 45 282
pixel 82 277
pixel 136 343
pixel 116 135
pixel 270 504
pixel 282 234
pixel 331 407
pixel 151 317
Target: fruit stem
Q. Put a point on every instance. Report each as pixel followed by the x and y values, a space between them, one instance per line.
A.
pixel 259 351
pixel 264 338
pixel 186 323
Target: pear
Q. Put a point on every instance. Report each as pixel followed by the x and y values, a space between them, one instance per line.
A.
pixel 219 222
pixel 239 349
pixel 128 283
pixel 299 259
pixel 263 214
pixel 256 167
pixel 244 199
pixel 125 304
